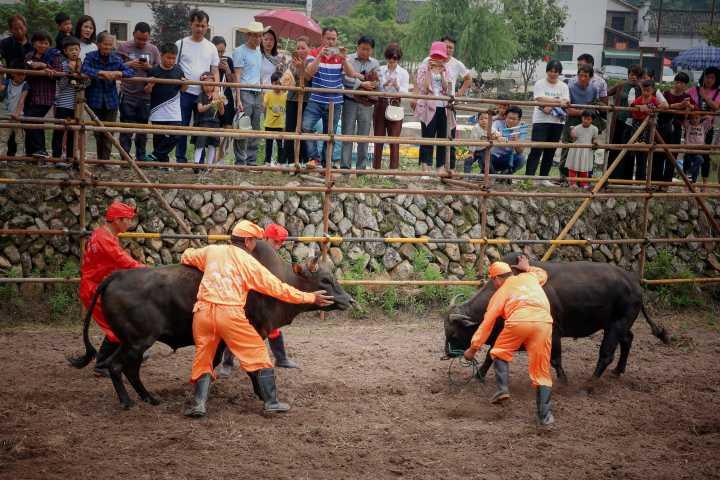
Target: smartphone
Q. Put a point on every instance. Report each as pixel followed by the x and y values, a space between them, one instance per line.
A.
pixel 332 51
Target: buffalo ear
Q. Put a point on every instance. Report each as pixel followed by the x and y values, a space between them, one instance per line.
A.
pixel 462 320
pixel 297 268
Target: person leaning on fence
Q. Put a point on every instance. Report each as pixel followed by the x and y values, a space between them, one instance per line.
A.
pixel 582 92
pixel 104 68
pixel 357 111
pixel 13 92
pixel 210 108
pixel 274 103
pixel 196 55
pixel 647 102
pixel 548 121
pixel 436 119
pixel 521 301
pixel 140 55
pixel 65 95
pixel 619 125
pixel 296 72
pixel 389 114
pixel 165 101
pixel 696 130
pixel 580 161
pixel 670 125
pixel 706 96
pixel 479 132
pixel 506 159
pixel 248 61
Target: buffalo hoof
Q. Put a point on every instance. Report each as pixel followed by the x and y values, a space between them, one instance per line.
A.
pixel 151 400
pixel 616 373
pixel 101 372
pixel 223 371
pixel 127 405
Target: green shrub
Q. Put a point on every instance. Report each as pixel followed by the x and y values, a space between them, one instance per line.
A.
pixel 678 295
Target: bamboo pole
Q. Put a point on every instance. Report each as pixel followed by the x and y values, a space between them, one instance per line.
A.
pixel 80 148
pixel 646 201
pixel 595 190
pixel 138 171
pixel 329 154
pixel 298 119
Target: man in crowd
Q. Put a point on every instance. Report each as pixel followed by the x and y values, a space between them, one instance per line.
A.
pixel 104 255
pixel 357 111
pixel 521 300
pixel 230 272
pixel 582 92
pixel 13 50
pixel 247 60
pixel 325 69
pixel 196 55
pixel 508 159
pixel 597 79
pixel 140 55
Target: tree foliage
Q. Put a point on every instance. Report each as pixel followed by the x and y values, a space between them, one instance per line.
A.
pixel 484 40
pixel 375 18
pixel 537 25
pixel 170 21
pixel 40 14
pixel 711 34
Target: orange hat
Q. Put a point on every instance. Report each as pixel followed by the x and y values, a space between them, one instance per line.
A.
pixel 119 210
pixel 499 268
pixel 246 228
pixel 276 232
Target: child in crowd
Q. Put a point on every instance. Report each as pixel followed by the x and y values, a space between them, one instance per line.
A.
pixel 509 160
pixel 209 112
pixel 647 102
pixel 580 160
pixel 479 132
pixel 64 26
pixel 65 91
pixel 41 96
pixel 13 92
pixel 165 101
pixel 696 129
pixel 274 103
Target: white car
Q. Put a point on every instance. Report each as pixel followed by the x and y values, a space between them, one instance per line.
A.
pixel 668 75
pixel 615 72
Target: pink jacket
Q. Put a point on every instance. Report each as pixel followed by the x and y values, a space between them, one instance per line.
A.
pixel 425 109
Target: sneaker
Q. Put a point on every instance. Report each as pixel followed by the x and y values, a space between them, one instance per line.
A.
pixel 41 154
pixel 313 164
pixel 547 183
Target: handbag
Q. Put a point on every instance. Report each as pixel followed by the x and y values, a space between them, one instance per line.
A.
pixel 242 121
pixel 394 113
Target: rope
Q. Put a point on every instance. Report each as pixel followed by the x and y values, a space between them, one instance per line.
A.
pixel 457 358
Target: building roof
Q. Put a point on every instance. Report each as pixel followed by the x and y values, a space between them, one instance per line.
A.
pixel 622 5
pixel 679 22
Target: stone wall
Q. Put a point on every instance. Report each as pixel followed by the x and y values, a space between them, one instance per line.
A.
pixel 353 215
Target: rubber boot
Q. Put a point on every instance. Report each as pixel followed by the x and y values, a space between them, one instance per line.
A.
pixel 268 391
pixel 502 372
pixel 202 386
pixel 255 384
pixel 106 349
pixel 277 346
pixel 544 406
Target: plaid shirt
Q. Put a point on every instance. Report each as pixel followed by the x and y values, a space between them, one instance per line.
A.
pixel 102 94
pixel 42 89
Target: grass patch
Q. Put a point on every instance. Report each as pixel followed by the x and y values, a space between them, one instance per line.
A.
pixel 679 295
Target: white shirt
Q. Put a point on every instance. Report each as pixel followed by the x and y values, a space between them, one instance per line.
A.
pixel 196 58
pixel 400 74
pixel 543 88
pixel 86 48
pixel 457 70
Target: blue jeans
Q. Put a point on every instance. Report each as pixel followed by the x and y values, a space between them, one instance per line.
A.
pixel 691 166
pixel 188 103
pixel 315 111
pixel 509 162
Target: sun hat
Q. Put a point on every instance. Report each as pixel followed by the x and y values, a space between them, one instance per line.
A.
pixel 254 27
pixel 439 49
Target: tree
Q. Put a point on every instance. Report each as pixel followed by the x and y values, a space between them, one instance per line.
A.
pixel 170 21
pixel 711 34
pixel 375 18
pixel 484 40
pixel 537 25
pixel 40 15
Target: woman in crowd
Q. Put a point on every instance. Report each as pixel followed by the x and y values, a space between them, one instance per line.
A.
pixel 436 121
pixel 548 122
pixel 706 96
pixel 297 69
pixel 392 78
pixel 85 31
pixel 272 61
pixel 227 69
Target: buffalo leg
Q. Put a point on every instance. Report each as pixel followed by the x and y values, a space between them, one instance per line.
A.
pixel 482 371
pixel 625 341
pixel 132 372
pixel 556 359
pixel 607 351
pixel 116 368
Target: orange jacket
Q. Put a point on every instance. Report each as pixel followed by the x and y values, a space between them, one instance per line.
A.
pixel 231 272
pixel 520 299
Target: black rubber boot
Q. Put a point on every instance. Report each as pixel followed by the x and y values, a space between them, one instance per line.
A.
pixel 106 349
pixel 277 346
pixel 202 386
pixel 255 384
pixel 544 406
pixel 502 372
pixel 268 391
pixel 225 368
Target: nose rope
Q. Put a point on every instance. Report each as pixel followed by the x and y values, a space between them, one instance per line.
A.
pixel 456 357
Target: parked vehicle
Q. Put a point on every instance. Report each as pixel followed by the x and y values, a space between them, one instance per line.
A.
pixel 615 72
pixel 668 75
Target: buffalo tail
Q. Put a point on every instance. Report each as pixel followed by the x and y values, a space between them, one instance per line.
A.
pixel 82 361
pixel 657 330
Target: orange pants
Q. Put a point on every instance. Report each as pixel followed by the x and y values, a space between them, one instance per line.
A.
pixel 99 316
pixel 537 339
pixel 212 323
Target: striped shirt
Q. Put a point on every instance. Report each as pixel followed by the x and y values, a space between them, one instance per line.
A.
pixel 329 75
pixel 64 91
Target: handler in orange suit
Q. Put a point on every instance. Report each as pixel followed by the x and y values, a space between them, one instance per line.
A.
pixel 521 301
pixel 230 272
pixel 275 235
pixel 104 255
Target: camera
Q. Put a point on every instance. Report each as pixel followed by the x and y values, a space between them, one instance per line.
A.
pixel 332 51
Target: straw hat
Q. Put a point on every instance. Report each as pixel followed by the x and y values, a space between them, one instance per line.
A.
pixel 254 27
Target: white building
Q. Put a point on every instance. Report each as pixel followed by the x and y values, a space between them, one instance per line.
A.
pixel 226 16
pixel 584 30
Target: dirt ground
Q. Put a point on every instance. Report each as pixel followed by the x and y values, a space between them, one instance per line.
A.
pixel 372 400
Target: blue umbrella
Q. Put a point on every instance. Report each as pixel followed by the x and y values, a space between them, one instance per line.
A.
pixel 698 58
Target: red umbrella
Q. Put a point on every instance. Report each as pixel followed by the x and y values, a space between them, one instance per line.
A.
pixel 290 24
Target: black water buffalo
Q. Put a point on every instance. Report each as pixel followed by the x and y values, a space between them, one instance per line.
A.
pixel 585 297
pixel 146 305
